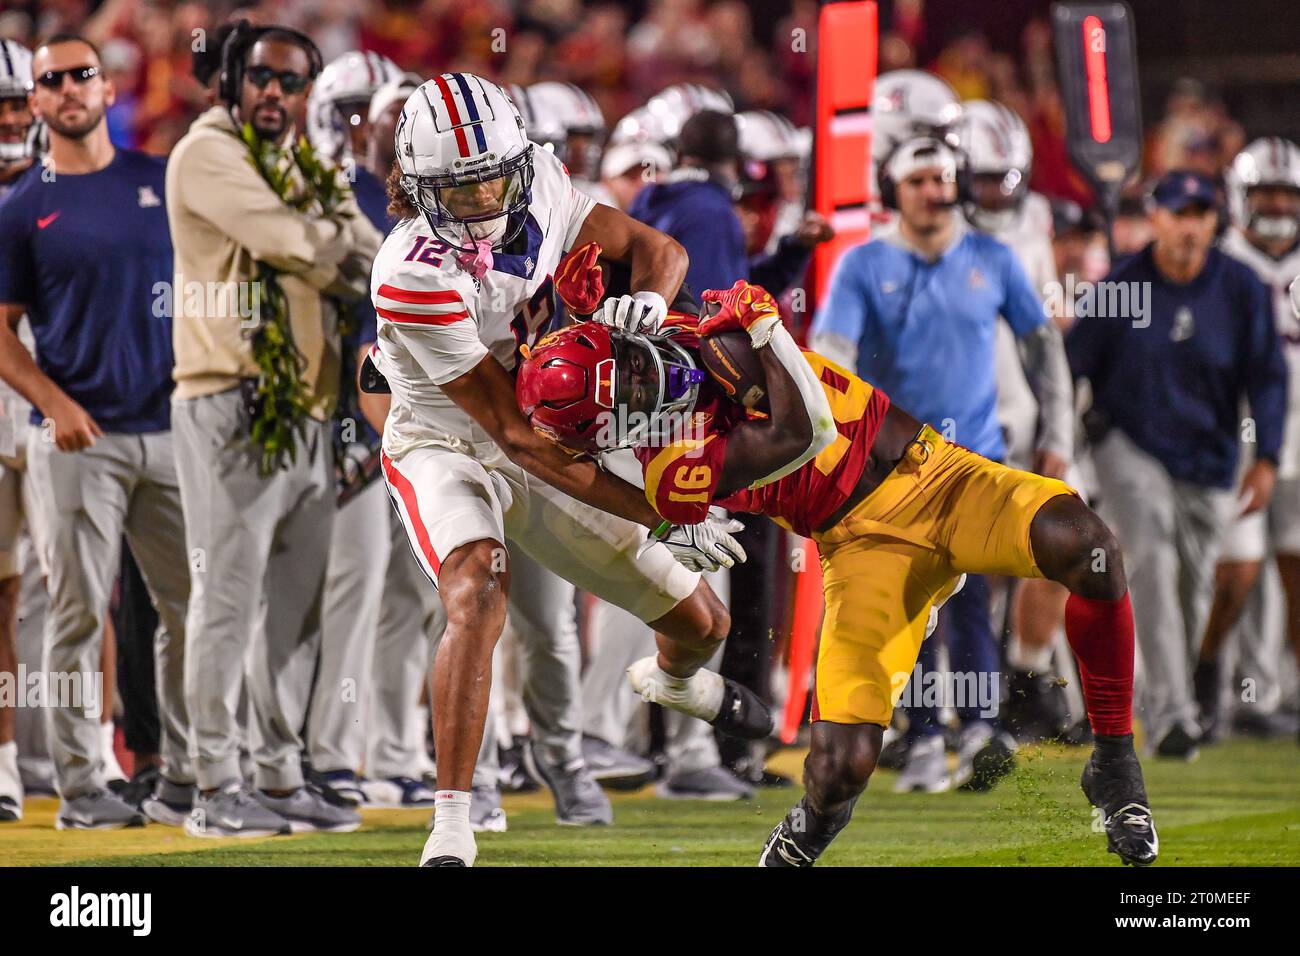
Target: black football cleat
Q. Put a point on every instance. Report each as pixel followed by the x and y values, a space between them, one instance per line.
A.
pixel 803 836
pixel 1112 782
pixel 443 861
pixel 742 714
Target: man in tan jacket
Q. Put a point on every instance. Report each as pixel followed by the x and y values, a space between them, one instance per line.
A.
pixel 258 545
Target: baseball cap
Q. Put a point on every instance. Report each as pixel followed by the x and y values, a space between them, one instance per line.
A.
pixel 1178 188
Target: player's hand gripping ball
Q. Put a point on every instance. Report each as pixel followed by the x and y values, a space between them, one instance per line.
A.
pixel 742 308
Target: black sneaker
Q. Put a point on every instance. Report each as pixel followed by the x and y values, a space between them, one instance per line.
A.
pixel 1112 782
pixel 802 837
pixel 1205 684
pixel 1262 726
pixel 742 714
pixel 141 785
pixel 10 810
pixel 893 756
pixel 444 861
pixel 1178 744
pixel 1036 707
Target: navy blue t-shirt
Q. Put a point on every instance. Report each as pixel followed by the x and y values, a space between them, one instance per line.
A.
pixel 90 256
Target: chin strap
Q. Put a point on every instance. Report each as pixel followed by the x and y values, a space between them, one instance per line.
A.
pixel 477 263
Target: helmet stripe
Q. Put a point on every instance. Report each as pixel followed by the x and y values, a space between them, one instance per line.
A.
pixel 454 114
pixel 472 107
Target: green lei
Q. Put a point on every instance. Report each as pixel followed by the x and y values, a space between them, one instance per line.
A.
pixel 284 401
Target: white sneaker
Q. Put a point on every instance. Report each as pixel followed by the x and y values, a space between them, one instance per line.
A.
pixel 11 784
pixel 926 770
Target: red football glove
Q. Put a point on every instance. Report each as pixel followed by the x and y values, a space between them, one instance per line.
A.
pixel 742 308
pixel 579 282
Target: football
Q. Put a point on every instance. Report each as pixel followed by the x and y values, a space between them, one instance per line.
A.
pixel 733 363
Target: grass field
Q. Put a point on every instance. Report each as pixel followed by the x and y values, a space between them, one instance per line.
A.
pixel 1238 805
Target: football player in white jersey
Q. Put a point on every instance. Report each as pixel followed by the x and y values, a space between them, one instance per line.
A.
pixel 462 286
pixel 1264 199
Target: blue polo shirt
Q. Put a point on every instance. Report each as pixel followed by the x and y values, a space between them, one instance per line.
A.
pixel 926 330
pixel 1173 380
pixel 90 256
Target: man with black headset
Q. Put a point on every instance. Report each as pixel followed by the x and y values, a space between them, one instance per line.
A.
pixel 258 543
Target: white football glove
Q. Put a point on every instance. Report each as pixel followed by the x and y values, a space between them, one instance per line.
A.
pixel 706 546
pixel 638 312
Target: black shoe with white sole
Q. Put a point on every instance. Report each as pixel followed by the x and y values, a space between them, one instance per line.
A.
pixel 1112 782
pixel 11 810
pixel 443 861
pixel 802 836
pixel 742 713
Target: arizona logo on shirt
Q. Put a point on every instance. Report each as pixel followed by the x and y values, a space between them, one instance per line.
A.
pixel 148 198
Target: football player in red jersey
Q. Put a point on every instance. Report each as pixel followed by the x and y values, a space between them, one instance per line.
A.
pixel 898 513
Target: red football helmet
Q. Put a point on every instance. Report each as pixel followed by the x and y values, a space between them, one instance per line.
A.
pixel 576 385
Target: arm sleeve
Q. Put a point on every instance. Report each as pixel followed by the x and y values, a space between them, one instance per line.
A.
pixel 431 320
pixel 1048 371
pixel 816 405
pixel 16 267
pixel 219 183
pixel 1265 371
pixel 778 272
pixel 682 478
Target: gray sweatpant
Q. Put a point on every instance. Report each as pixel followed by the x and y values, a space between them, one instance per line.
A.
pixel 374 658
pixel 360 543
pixel 258 550
pixel 123 484
pixel 1170 532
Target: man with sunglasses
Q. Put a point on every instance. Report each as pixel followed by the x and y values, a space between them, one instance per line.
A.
pixel 263 540
pixel 85 251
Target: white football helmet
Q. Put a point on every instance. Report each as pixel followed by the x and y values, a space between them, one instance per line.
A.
pixel 1270 161
pixel 640 126
pixel 911 103
pixel 465 160
pixel 765 136
pixel 15 82
pixel 671 107
pixel 561 110
pixel 996 146
pixel 345 86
